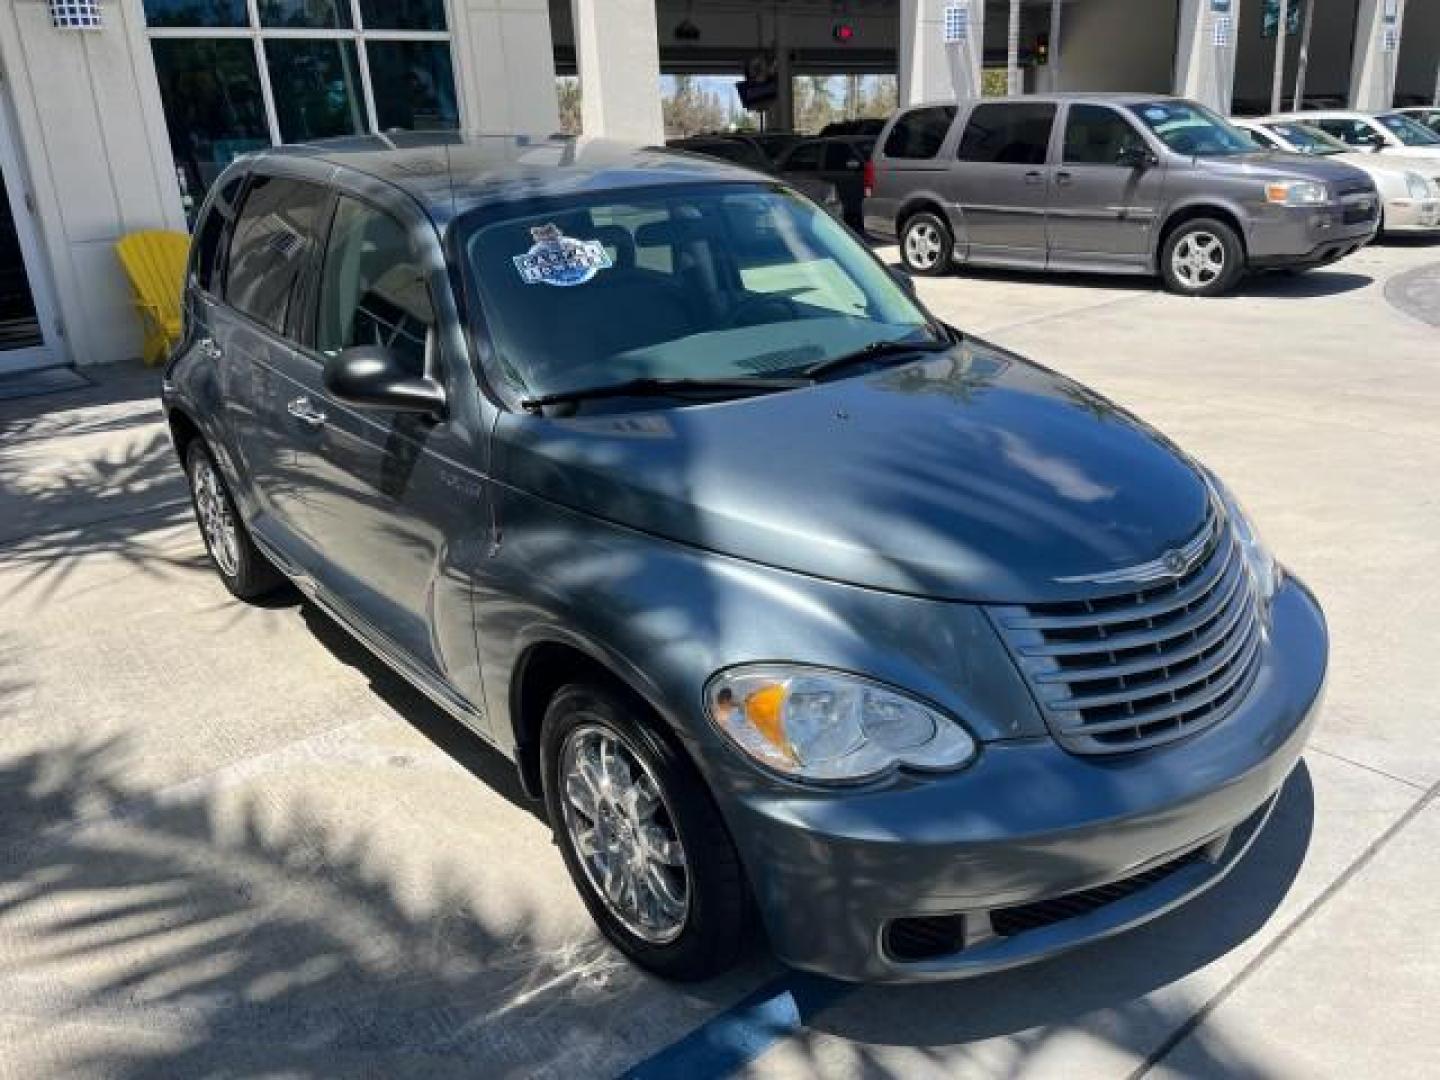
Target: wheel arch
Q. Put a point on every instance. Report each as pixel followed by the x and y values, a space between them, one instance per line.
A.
pixel 1192 211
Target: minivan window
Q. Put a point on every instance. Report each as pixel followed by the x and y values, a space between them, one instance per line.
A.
pixel 920 133
pixel 1010 134
pixel 754 281
pixel 1408 131
pixel 1192 129
pixel 1098 135
pixel 273 238
pixel 372 289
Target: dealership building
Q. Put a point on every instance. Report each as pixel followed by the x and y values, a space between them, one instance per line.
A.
pixel 116 115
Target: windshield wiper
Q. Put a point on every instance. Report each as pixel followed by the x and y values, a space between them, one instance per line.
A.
pixel 876 350
pixel 654 387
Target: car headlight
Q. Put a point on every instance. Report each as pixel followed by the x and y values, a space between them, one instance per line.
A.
pixel 1264 570
pixel 1297 193
pixel 1418 185
pixel 827 726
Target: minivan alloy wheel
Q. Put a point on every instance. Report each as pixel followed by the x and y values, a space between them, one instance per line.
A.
pixel 923 245
pixel 1198 260
pixel 622 828
pixel 215 517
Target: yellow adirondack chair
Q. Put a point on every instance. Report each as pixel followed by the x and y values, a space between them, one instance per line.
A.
pixel 154 261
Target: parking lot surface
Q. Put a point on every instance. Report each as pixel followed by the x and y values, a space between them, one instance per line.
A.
pixel 233 844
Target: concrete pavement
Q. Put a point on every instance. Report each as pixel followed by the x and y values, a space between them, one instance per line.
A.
pixel 232 843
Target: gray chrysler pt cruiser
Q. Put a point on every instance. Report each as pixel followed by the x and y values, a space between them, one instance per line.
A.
pixel 799 609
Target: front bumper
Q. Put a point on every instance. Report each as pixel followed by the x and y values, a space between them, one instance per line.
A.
pixel 1412 215
pixel 1306 236
pixel 1027 822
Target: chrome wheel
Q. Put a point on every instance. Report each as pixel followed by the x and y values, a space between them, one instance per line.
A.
pixel 1198 259
pixel 216 520
pixel 623 833
pixel 923 245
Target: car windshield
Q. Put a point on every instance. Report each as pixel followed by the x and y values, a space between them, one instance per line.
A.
pixel 1192 129
pixel 1408 131
pixel 1309 140
pixel 707 282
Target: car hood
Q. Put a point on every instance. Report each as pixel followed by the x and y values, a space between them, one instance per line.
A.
pixel 968 475
pixel 1271 164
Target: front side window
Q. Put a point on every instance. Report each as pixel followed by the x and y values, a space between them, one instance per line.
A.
pixel 330 68
pixel 919 134
pixel 1408 131
pixel 1008 134
pixel 1192 130
pixel 274 236
pixel 372 290
pixel 714 281
pixel 1098 135
pixel 1351 132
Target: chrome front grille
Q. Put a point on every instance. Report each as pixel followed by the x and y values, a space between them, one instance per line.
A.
pixel 1121 672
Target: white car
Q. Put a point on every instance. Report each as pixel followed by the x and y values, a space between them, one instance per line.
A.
pixel 1390 133
pixel 1429 115
pixel 1409 187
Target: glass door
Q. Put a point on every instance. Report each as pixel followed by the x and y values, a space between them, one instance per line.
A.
pixel 26 317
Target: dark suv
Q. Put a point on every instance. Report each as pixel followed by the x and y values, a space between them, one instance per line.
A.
pixel 787 599
pixel 1108 183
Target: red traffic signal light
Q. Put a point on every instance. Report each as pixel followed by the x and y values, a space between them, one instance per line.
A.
pixel 843 32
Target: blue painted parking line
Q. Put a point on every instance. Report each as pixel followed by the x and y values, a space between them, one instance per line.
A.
pixel 743 1032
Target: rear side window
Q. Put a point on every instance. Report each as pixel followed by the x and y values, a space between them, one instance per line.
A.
pixel 373 290
pixel 1353 132
pixel 919 134
pixel 274 236
pixel 1097 135
pixel 1008 134
pixel 804 158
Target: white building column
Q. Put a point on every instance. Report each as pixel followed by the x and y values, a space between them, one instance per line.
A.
pixel 1372 71
pixel 506 73
pixel 925 68
pixel 617 51
pixel 1205 71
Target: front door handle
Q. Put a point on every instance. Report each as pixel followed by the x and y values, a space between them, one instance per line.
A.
pixel 1063 177
pixel 1035 176
pixel 304 410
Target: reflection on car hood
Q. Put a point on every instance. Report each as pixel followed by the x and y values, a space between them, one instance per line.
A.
pixel 971 475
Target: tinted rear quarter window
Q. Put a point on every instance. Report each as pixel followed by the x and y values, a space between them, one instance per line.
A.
pixel 919 134
pixel 1008 134
pixel 274 235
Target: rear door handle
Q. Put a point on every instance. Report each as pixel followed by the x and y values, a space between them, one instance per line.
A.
pixel 304 410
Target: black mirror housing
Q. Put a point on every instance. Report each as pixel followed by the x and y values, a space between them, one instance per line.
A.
pixel 1136 157
pixel 372 377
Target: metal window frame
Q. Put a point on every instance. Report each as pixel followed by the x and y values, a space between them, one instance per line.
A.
pixel 357 33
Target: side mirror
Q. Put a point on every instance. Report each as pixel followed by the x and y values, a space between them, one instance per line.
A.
pixel 372 377
pixel 1136 157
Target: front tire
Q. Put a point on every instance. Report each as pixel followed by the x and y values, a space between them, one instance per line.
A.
pixel 641 837
pixel 927 246
pixel 1203 257
pixel 237 560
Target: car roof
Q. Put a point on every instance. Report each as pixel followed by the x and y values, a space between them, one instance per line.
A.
pixel 450 173
pixel 1108 97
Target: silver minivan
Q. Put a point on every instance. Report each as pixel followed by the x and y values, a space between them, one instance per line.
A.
pixel 1108 183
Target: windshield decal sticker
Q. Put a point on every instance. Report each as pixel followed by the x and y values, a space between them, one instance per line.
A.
pixel 557 259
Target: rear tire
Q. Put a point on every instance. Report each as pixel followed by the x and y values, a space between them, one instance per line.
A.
pixel 246 573
pixel 641 837
pixel 927 246
pixel 1202 257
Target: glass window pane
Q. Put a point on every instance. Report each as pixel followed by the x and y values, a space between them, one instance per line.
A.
pixel 403 14
pixel 414 85
pixel 272 241
pixel 373 291
pixel 918 134
pixel 306 14
pixel 196 13
pixel 210 91
pixel 317 88
pixel 1008 134
pixel 1097 135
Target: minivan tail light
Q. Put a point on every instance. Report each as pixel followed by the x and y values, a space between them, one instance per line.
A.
pixel 869 179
